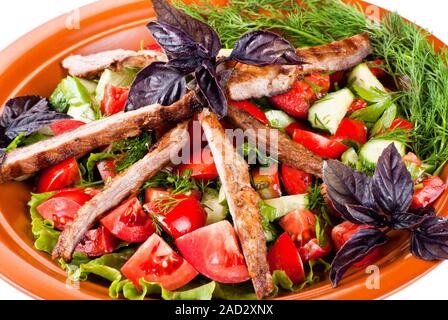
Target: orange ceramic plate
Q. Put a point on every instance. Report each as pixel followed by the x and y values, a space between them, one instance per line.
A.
pixel 32 66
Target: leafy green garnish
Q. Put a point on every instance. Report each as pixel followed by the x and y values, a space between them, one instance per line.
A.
pixel 43 230
pixel 129 151
pixel 131 292
pixel 268 215
pixel 107 266
pixel 252 153
pixel 179 183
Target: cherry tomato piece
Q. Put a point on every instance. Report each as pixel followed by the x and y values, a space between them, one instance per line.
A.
pixel 351 130
pixel 62 126
pixel 98 242
pixel 214 251
pixel 252 109
pixel 155 261
pixel 432 188
pixel 128 222
pixel 63 207
pixel 114 99
pixel 64 174
pixel 358 104
pixel 202 166
pixel 401 124
pixel 106 169
pixel 320 145
pixel 296 181
pixel 314 251
pixel 283 255
pixel 178 214
pixel 300 225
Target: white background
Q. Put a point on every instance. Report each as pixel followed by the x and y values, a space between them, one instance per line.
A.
pixel 20 16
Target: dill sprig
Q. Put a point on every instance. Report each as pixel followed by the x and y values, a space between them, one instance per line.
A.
pixel 129 151
pixel 419 70
pixel 179 183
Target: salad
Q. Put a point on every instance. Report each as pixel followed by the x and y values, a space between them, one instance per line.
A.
pixel 139 175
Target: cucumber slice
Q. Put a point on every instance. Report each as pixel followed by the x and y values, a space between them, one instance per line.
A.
pixel 279 119
pixel 70 92
pixel 215 210
pixel 222 196
pixel 364 78
pixel 350 158
pixel 89 85
pixel 284 205
pixel 83 112
pixel 327 113
pixel 122 78
pixel 372 150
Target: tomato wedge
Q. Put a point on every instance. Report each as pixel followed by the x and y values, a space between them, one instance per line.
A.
pixel 296 181
pixel 98 242
pixel 252 109
pixel 296 102
pixel 401 124
pixel 62 126
pixel 296 125
pixel 320 145
pixel 214 252
pixel 202 166
pixel 62 207
pixel 320 83
pixel 152 194
pixel 379 71
pixel 284 256
pixel 114 99
pixel 267 182
pixel 154 46
pixel 431 190
pixel 155 261
pixel 178 214
pixel 351 130
pixel 314 251
pixel 62 175
pixel 128 222
pixel 358 104
pixel 106 169
pixel 300 225
pixel 343 232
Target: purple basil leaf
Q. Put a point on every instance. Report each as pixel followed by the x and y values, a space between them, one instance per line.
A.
pixel 2 154
pixel 430 240
pixel 364 215
pixel 27 114
pixel 345 187
pixel 186 64
pixel 393 187
pixel 264 48
pixel 405 220
pixel 201 32
pixel 157 83
pixel 354 250
pixel 428 211
pixel 210 89
pixel 175 42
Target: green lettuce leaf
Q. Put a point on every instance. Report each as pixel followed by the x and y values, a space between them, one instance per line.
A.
pixel 107 266
pixel 268 214
pixel 43 230
pixel 131 292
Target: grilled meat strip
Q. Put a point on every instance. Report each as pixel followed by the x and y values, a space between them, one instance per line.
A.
pixel 255 82
pixel 92 135
pixel 289 152
pixel 242 200
pixel 122 186
pixel 92 65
